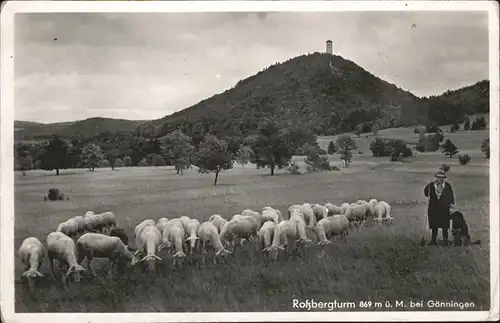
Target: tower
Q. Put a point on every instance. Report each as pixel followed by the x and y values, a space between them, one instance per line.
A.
pixel 329 47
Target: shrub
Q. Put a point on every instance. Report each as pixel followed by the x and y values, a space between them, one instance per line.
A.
pixel 332 149
pixel 294 168
pixel 127 161
pixel 428 143
pixel 104 163
pixel 449 149
pixel 316 161
pixel 119 163
pixel 432 128
pixel 53 194
pixel 485 148
pixel 467 124
pixel 478 124
pixel 464 159
pixel 379 148
pixel 335 168
pixel 143 162
pixel 454 127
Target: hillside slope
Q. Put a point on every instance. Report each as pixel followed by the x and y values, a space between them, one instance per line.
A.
pixel 474 98
pixel 325 92
pixel 74 129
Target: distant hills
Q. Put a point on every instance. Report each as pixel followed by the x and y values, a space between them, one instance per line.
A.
pixel 24 130
pixel 323 92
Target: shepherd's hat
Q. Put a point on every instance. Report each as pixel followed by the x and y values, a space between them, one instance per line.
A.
pixel 440 174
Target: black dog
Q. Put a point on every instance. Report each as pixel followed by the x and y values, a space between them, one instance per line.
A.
pixel 460 230
pixel 120 234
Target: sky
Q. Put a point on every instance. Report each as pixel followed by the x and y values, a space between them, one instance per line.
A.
pixel 73 66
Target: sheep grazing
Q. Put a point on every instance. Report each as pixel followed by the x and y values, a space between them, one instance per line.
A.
pixel 191 227
pixel 356 213
pixel 97 245
pixel 69 227
pixel 139 228
pixel 382 211
pixel 81 224
pixel 208 234
pixel 243 227
pixel 306 211
pixel 371 207
pixel 270 214
pixel 173 236
pixel 108 220
pixel 218 221
pixel 161 223
pixel 333 209
pixel 332 226
pixel 62 248
pixel 149 239
pixel 320 212
pixel 344 206
pixel 236 216
pixel 31 254
pixel 288 232
pixel 116 232
pixel 248 212
pixel 266 234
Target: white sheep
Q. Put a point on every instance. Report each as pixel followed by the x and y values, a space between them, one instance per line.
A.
pixel 309 215
pixel 173 236
pixel 332 226
pixel 62 248
pixel 160 224
pixel 333 209
pixel 149 241
pixel 209 236
pixel 266 234
pixel 68 227
pixel 97 245
pixel 271 214
pixel 243 227
pixel 356 213
pixel 138 229
pixel 287 232
pixel 371 207
pixel 236 216
pixel 108 220
pixel 31 254
pixel 191 228
pixel 344 206
pixel 382 211
pixel 320 212
pixel 218 221
pixel 81 224
pixel 248 212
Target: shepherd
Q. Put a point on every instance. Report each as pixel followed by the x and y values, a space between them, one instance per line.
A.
pixel 441 199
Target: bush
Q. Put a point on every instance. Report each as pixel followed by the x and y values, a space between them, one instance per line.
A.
pixel 143 162
pixel 104 163
pixel 119 163
pixel 432 128
pixel 449 149
pixel 454 127
pixel 379 148
pixel 335 168
pixel 428 143
pixel 127 161
pixel 306 148
pixel 294 168
pixel 467 124
pixel 53 194
pixel 316 161
pixel 485 148
pixel 464 159
pixel 478 124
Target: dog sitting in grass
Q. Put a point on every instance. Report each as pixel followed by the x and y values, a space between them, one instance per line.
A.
pixel 460 230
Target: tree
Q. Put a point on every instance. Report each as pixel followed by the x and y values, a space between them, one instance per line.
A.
pixel 112 155
pixel 485 148
pixel 467 124
pixel 243 155
pixel 375 129
pixel 449 149
pixel 455 127
pixel 332 149
pixel 273 146
pixel 478 124
pixel 315 160
pixel 55 155
pixel 214 156
pixel 24 163
pixel 127 161
pixel 91 156
pixel 177 149
pixel 379 148
pixel 346 144
pixel 143 163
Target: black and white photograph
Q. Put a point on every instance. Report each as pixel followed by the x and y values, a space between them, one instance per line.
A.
pixel 190 161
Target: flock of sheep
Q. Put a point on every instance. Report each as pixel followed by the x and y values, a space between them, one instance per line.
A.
pixel 97 236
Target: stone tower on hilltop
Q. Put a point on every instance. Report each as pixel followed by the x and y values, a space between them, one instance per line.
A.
pixel 329 47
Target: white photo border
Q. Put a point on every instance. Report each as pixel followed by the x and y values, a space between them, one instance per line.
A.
pixel 9 8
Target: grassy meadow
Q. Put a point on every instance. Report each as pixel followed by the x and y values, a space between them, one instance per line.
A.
pixel 379 263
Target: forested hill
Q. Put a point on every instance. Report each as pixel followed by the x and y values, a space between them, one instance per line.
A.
pixel 73 129
pixel 324 92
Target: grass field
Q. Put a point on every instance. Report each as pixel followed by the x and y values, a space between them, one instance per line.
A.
pixel 378 263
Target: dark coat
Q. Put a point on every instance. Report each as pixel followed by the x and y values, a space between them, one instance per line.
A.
pixel 438 211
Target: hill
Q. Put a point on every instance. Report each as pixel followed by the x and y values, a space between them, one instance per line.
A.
pixel 74 129
pixel 474 98
pixel 324 92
